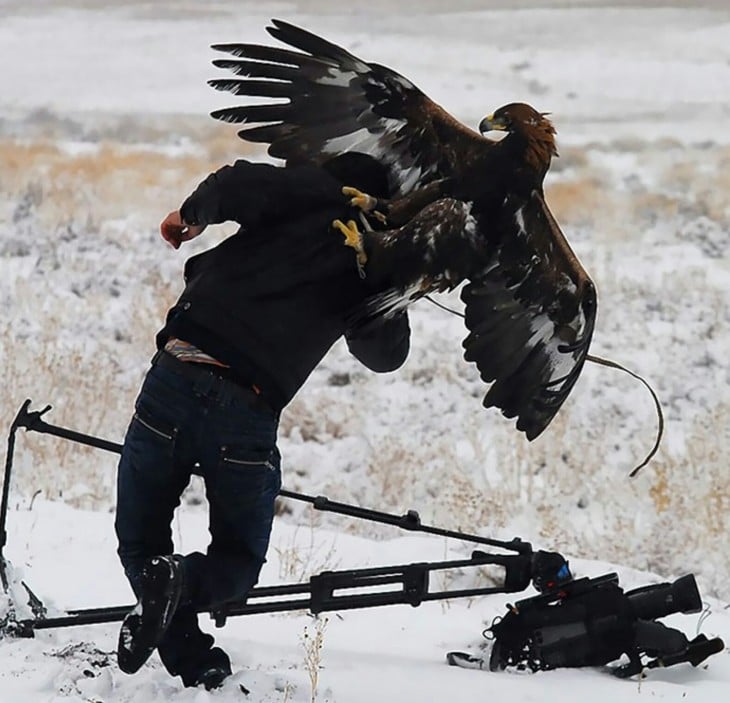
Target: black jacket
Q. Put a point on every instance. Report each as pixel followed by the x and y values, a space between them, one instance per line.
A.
pixel 272 299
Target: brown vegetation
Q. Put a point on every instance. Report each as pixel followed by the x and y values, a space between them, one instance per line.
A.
pixel 95 197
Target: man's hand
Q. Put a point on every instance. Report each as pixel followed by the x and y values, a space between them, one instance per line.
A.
pixel 175 230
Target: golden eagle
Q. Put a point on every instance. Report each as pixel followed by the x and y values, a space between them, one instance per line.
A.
pixel 462 207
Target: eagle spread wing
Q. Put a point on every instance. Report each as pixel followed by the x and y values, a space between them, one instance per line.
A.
pixel 530 316
pixel 337 103
pixel 530 306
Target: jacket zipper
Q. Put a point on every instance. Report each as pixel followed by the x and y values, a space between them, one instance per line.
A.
pixel 159 433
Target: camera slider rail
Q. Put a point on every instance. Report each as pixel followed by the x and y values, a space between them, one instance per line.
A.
pixel 327 591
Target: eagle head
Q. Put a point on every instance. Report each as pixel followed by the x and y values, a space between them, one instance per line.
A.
pixel 530 127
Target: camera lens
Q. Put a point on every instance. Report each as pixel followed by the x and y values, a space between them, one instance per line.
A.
pixel 656 601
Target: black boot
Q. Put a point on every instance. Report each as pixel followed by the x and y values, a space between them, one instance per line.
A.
pixel 215 671
pixel 188 652
pixel 145 625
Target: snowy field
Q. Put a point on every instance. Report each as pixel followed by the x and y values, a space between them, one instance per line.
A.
pixel 104 129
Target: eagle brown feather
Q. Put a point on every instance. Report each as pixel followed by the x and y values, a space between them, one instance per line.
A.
pixel 463 208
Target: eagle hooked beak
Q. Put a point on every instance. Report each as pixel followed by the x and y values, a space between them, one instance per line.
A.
pixel 491 123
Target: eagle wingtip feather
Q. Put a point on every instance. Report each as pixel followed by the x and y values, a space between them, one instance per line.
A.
pixel 226 48
pixel 279 29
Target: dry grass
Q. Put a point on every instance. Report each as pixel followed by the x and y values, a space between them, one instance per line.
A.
pixel 681 181
pixel 312 642
pixel 668 520
pixel 65 214
pixel 302 556
pixel 577 200
pixel 61 210
pixel 105 180
pixel 56 199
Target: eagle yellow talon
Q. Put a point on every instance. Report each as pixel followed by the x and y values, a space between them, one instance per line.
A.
pixel 363 201
pixel 358 199
pixel 353 238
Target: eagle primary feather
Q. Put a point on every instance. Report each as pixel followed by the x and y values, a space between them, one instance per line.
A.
pixel 337 103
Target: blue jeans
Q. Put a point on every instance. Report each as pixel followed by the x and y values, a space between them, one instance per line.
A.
pixel 202 425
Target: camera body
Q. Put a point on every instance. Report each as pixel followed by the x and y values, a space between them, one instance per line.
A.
pixel 591 622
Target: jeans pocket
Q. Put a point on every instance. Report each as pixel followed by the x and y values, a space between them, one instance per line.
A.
pixel 153 432
pixel 248 473
pixel 243 458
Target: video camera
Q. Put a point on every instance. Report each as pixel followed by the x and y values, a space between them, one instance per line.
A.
pixel 592 622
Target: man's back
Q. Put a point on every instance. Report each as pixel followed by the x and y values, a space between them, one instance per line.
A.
pixel 272 299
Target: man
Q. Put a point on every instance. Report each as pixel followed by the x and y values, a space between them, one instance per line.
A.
pixel 258 313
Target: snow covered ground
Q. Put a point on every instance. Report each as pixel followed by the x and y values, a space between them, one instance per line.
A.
pixel 394 654
pixel 388 654
pixel 104 129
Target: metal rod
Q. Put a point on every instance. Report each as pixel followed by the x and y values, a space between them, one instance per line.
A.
pixel 33 422
pixel 7 476
pixel 409 521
